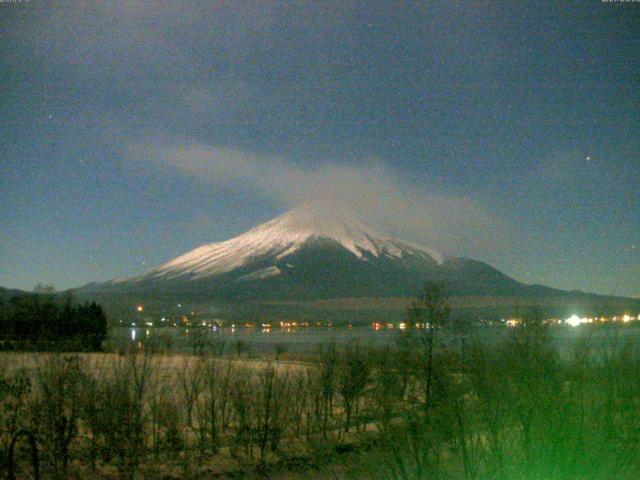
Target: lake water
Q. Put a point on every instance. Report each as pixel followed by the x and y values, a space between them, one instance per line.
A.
pixel 308 340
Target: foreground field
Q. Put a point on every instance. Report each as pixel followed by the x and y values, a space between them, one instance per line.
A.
pixel 417 409
pixel 163 365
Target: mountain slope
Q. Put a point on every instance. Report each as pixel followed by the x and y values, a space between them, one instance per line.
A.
pixel 282 237
pixel 308 252
pixel 8 293
pixel 312 253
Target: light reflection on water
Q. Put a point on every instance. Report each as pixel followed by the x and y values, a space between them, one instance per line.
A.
pixel 307 340
pixel 260 339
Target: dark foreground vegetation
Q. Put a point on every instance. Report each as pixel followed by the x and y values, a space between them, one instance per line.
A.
pixel 44 322
pixel 422 409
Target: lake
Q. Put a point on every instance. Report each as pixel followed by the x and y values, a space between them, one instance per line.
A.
pixel 308 340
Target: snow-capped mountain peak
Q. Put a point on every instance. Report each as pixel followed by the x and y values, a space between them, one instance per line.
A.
pixel 318 221
pixel 283 236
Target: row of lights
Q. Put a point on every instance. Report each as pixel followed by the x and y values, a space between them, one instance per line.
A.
pixel 574 320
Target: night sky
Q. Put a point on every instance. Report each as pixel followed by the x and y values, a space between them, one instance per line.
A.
pixel 508 132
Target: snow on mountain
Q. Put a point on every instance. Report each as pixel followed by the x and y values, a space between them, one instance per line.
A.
pixel 321 253
pixel 283 236
pixel 261 274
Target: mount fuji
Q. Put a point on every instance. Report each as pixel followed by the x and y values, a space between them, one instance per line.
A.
pixel 320 253
pixel 277 242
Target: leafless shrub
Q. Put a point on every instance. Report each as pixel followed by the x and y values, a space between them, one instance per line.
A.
pixel 117 421
pixel 15 391
pixel 299 400
pixel 198 339
pixel 55 408
pixel 169 421
pixel 242 391
pixel 353 378
pixel 387 388
pixel 270 409
pixel 190 384
pixel 213 409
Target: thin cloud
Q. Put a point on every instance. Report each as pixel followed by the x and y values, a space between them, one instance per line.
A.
pixel 450 222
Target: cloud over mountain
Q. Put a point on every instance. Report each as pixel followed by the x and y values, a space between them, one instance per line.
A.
pixel 450 221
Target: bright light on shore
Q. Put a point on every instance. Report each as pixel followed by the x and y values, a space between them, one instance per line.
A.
pixel 574 320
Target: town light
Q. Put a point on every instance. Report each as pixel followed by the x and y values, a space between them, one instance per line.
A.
pixel 573 320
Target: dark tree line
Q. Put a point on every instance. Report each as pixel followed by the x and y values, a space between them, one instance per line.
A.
pixel 46 323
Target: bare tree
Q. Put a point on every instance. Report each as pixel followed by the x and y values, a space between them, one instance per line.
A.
pixel 429 314
pixel 190 382
pixel 213 410
pixel 269 408
pixel 353 378
pixel 118 419
pixel 56 408
pixel 241 389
